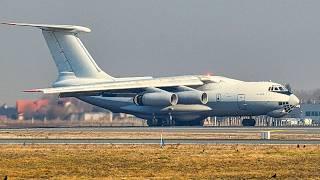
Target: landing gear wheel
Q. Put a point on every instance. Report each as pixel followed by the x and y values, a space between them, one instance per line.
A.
pixel 195 123
pixel 154 122
pixel 248 122
pixel 168 122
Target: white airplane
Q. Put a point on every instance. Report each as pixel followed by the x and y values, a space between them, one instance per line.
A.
pixel 178 100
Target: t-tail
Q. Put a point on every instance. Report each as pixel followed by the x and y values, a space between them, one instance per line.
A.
pixel 69 54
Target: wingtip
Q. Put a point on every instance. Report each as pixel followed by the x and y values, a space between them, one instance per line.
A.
pixel 32 90
pixel 9 22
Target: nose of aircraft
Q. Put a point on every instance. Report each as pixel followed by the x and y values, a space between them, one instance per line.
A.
pixel 294 100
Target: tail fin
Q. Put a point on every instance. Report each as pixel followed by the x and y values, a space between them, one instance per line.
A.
pixel 68 52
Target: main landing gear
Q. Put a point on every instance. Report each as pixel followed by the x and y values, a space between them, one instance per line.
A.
pixel 165 121
pixel 249 122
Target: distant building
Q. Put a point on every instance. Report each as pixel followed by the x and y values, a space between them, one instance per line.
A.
pixel 311 111
pixel 96 116
pixel 27 108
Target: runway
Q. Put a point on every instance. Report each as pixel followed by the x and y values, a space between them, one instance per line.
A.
pixel 174 129
pixel 156 141
pixel 171 135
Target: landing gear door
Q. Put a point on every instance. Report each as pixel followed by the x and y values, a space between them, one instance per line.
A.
pixel 242 102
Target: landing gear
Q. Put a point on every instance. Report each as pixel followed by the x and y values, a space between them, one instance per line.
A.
pixel 169 121
pixel 194 123
pixel 165 121
pixel 249 122
pixel 151 123
pixel 154 122
pixel 197 122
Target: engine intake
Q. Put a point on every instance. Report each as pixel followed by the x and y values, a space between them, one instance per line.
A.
pixel 192 97
pixel 156 99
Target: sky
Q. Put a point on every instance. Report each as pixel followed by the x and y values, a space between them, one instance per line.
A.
pixel 253 40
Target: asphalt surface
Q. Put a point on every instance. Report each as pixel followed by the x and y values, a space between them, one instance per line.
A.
pixel 312 130
pixel 289 130
pixel 155 141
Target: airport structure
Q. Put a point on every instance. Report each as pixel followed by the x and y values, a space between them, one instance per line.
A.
pixel 311 111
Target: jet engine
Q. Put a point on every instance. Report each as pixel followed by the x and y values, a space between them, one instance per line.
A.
pixel 192 97
pixel 156 99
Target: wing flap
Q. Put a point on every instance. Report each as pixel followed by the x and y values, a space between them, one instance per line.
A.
pixel 158 82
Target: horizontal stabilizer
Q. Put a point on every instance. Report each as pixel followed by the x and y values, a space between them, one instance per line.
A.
pixel 158 82
pixel 69 28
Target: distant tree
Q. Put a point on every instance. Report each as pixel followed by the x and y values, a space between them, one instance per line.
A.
pixel 309 96
pixel 288 86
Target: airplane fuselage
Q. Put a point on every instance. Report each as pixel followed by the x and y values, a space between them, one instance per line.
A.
pixel 227 97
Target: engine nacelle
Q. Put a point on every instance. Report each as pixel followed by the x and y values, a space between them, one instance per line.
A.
pixel 192 97
pixel 156 99
pixel 277 113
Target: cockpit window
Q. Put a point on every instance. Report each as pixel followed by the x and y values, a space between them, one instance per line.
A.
pixel 279 89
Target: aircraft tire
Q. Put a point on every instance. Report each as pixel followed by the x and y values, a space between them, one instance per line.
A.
pixel 248 122
pixel 189 123
pixel 154 122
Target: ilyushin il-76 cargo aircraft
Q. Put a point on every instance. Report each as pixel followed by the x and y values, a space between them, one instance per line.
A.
pixel 161 101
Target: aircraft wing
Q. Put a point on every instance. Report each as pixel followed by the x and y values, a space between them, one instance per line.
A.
pixel 124 85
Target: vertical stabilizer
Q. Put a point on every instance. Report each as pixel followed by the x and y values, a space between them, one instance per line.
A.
pixel 68 52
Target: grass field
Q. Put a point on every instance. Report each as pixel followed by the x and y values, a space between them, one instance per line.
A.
pixel 150 161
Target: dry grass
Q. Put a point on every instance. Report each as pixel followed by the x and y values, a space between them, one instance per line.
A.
pixel 150 161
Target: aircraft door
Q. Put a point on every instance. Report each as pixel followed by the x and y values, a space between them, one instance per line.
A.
pixel 242 102
pixel 218 97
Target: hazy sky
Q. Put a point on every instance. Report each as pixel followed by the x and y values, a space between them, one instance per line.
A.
pixel 253 40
